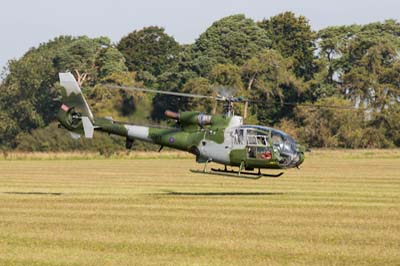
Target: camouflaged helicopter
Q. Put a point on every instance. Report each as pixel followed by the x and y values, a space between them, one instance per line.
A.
pixel 222 139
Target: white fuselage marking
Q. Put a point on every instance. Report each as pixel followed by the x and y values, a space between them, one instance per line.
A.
pixel 138 132
pixel 220 152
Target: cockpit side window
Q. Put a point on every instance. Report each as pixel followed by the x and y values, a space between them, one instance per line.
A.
pixel 251 137
pixel 238 136
pixel 257 138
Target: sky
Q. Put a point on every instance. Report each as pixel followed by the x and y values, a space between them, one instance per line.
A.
pixel 26 23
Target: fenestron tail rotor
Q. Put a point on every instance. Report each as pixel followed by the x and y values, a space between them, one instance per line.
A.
pixel 74 114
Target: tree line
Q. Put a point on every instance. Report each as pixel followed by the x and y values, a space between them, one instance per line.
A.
pixel 276 61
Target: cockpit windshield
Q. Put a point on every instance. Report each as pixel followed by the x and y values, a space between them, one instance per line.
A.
pixel 281 142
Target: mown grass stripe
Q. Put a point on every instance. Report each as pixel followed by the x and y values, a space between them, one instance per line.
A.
pixel 339 209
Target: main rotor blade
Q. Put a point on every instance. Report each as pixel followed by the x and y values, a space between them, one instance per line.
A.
pixel 232 99
pixel 191 95
pixel 306 105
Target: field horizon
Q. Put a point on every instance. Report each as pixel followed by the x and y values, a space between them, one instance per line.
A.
pixel 175 154
pixel 341 208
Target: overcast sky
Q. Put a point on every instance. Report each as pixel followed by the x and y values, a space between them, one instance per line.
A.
pixel 26 23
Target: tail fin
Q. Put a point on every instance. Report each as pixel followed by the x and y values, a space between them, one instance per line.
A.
pixel 75 114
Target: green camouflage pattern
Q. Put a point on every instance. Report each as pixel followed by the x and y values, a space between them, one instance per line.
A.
pixel 210 138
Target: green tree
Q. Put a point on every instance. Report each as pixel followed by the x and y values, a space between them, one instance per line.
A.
pixel 269 78
pixel 375 79
pixel 227 75
pixel 293 38
pixel 149 50
pixel 27 94
pixel 8 130
pixel 231 40
pixel 360 59
pixel 173 80
pixel 110 61
pixel 29 86
pixel 277 60
pixel 333 44
pixel 170 81
pixel 115 103
pixel 82 57
pixel 386 122
pixel 200 86
pixel 322 127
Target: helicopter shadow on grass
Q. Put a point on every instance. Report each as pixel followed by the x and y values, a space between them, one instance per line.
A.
pixel 221 193
pixel 33 193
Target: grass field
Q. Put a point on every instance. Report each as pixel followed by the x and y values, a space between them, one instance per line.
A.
pixel 341 208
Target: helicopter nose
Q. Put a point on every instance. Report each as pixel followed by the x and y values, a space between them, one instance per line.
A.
pixel 300 155
pixel 301 158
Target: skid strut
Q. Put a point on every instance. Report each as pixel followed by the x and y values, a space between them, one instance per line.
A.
pixel 240 173
pixel 259 174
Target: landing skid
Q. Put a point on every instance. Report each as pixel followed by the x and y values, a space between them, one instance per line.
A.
pixel 237 174
pixel 259 174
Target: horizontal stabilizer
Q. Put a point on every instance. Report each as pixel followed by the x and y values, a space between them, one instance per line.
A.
pixel 88 127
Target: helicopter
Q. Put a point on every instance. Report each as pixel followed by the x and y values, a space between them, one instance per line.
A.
pixel 222 139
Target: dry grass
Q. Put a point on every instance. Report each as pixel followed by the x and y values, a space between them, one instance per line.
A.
pixel 173 154
pixel 120 155
pixel 342 208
